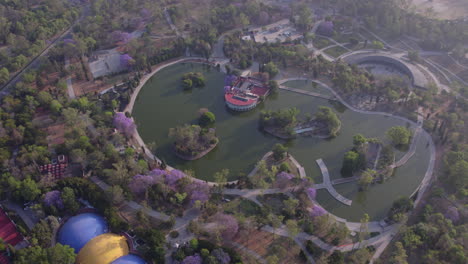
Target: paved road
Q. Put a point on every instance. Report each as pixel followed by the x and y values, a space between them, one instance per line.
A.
pixel 34 62
pixel 28 217
pixel 71 92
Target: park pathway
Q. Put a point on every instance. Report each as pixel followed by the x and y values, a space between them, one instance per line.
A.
pixel 71 92
pixel 132 204
pixel 28 217
pixel 413 145
pixel 329 186
pixel 310 93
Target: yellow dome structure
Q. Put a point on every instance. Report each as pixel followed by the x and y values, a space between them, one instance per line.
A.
pixel 103 249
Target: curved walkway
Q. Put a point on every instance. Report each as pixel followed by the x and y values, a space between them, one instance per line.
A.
pixel 129 107
pixel 428 176
pixel 329 186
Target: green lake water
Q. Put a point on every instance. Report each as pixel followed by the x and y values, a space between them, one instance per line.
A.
pixel 163 104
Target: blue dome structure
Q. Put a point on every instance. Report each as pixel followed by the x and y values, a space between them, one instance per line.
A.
pixel 80 229
pixel 129 259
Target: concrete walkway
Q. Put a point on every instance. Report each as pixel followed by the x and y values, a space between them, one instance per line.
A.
pixel 71 92
pixel 132 204
pixel 412 148
pixel 329 186
pixel 429 175
pixel 282 87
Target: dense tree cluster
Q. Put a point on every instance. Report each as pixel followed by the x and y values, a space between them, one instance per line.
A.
pixel 330 118
pixel 191 140
pixel 395 19
pixel 284 119
pixel 193 79
pixel 25 30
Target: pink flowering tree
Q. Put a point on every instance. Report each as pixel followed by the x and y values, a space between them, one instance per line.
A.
pixel 227 225
pixel 452 214
pixel 326 28
pixel 317 211
pixel 124 125
pixel 312 193
pixel 221 256
pixel 173 177
pixel 145 13
pixel 53 198
pixel 120 36
pixel 229 80
pixel 283 179
pixel 126 61
pixel 198 191
pixel 195 259
pixel 140 183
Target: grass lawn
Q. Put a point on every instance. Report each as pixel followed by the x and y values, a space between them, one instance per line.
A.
pixel 240 205
pixel 266 245
pixel 320 42
pixel 335 51
pixel 344 38
pixel 275 201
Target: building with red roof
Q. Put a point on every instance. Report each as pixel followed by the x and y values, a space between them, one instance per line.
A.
pixel 8 231
pixel 245 93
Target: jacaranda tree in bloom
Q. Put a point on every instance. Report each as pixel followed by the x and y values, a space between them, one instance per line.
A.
pixel 221 256
pixel 317 211
pixel 124 125
pixel 53 198
pixel 283 179
pixel 126 61
pixel 312 193
pixel 173 176
pixel 227 225
pixel 120 36
pixel 195 259
pixel 140 183
pixel 198 191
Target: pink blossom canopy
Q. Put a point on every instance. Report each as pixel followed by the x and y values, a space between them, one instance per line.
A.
pixel 283 179
pixel 195 259
pixel 221 256
pixel 326 28
pixel 140 183
pixel 228 225
pixel 312 193
pixel 126 61
pixel 452 214
pixel 53 198
pixel 317 211
pixel 124 124
pixel 174 176
pixel 198 191
pixel 119 36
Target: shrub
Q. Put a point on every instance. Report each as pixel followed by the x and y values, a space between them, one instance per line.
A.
pixel 206 119
pixel 174 234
